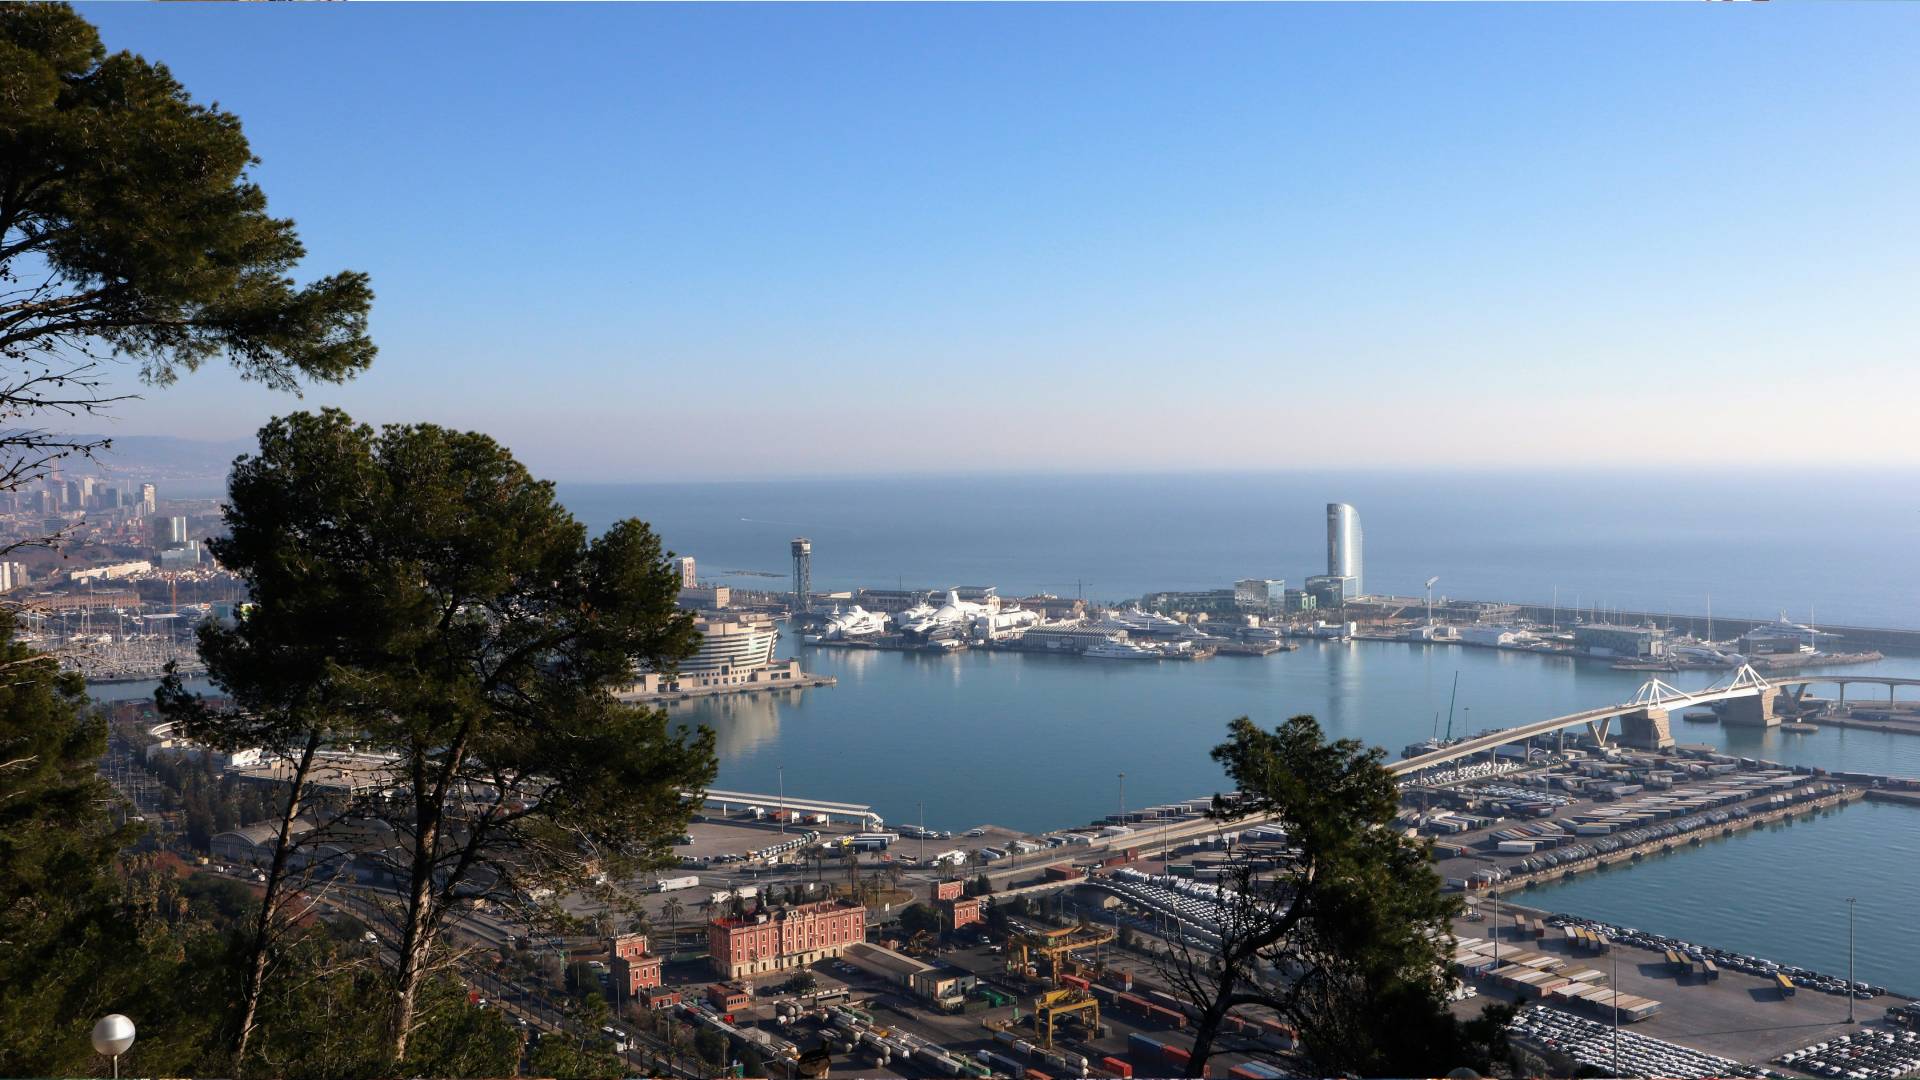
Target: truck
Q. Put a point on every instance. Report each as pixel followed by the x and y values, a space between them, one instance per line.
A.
pixel 670 884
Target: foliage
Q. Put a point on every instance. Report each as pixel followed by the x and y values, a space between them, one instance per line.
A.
pixel 574 1059
pixel 711 1046
pixel 1346 942
pixel 919 918
pixel 59 903
pixel 129 228
pixel 417 592
pixel 802 982
pixel 322 1017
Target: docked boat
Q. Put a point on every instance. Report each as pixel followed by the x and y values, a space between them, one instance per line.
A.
pixel 848 625
pixel 1120 649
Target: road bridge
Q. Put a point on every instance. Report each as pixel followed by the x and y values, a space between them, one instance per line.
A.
pixel 1644 718
pixel 1795 686
pixel 859 813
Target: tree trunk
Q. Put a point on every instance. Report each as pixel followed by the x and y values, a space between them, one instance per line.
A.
pixel 1204 1030
pixel 263 930
pixel 416 935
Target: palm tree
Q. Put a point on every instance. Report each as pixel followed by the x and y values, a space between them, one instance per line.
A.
pixel 673 909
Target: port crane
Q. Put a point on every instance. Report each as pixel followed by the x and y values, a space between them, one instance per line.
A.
pixel 1056 1005
pixel 1025 943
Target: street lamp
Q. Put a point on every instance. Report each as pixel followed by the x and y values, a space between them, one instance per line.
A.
pixel 1850 960
pixel 112 1036
pixel 1614 980
pixel 1496 925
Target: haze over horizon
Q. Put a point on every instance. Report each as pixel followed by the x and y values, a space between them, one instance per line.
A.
pixel 662 243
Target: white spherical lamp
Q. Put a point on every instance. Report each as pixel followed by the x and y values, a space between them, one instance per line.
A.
pixel 112 1036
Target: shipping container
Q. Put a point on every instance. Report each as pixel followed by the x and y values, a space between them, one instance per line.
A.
pixel 1177 1055
pixel 1160 1014
pixel 1075 981
pixel 1036 1074
pixel 1117 1067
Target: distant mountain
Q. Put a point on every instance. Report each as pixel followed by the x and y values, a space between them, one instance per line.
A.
pixel 165 457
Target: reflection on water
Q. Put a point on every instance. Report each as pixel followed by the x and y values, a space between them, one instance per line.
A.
pixel 740 722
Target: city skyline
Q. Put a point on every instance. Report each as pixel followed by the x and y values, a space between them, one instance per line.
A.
pixel 708 239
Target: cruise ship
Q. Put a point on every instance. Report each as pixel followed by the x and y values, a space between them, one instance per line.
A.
pixel 954 616
pixel 1148 624
pixel 850 625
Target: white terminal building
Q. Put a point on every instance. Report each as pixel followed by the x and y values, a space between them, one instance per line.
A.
pixel 735 651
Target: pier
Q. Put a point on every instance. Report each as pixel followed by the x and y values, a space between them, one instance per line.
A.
pixel 1522 882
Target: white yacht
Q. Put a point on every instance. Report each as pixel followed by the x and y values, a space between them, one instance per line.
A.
pixel 1115 648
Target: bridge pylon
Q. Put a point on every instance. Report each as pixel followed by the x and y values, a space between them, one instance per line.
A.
pixel 1742 678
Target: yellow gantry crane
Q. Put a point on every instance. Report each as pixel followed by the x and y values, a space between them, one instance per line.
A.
pixel 1055 1005
pixel 1027 942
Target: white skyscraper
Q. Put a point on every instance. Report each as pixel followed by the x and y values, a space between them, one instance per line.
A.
pixel 1343 546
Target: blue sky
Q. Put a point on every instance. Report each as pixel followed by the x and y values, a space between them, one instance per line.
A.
pixel 653 242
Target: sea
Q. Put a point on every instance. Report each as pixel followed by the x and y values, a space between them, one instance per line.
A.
pixel 1041 742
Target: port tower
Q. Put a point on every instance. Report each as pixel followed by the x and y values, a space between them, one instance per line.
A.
pixel 802 575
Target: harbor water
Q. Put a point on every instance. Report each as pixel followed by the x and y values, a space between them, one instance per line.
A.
pixel 1037 742
pixel 1778 891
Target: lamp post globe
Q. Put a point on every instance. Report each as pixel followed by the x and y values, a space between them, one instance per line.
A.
pixel 113 1035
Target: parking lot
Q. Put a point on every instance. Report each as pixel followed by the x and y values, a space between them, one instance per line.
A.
pixel 1738 1016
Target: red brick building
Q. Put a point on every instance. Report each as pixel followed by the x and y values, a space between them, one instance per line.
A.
pixel 962 912
pixel 959 908
pixel 786 937
pixel 633 968
pixel 657 997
